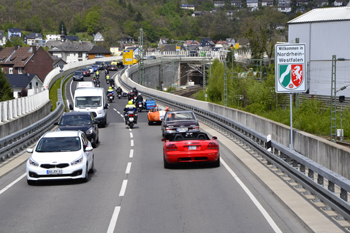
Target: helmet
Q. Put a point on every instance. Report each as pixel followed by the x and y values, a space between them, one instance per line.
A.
pixel 130 102
pixel 139 94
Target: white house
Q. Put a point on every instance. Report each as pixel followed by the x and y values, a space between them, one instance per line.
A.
pixel 98 38
pixel 24 84
pixel 53 37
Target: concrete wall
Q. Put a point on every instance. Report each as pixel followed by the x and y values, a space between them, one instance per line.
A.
pixel 328 154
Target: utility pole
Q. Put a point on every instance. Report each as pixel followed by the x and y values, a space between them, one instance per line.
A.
pixel 141 67
pixel 204 79
pixel 333 135
pixel 161 75
pixel 225 83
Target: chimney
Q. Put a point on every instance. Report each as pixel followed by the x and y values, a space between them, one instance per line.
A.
pixel 33 48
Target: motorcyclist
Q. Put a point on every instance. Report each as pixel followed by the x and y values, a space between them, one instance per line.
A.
pixel 139 98
pixel 130 107
pixel 110 90
pixel 97 73
pixel 119 90
pixel 111 82
pixel 135 91
pixel 107 78
pixel 106 71
pixel 131 95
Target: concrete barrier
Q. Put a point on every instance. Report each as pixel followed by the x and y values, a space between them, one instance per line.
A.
pixel 328 154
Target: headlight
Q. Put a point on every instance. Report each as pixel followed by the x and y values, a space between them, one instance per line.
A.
pixel 33 163
pixel 99 112
pixel 75 162
pixel 90 131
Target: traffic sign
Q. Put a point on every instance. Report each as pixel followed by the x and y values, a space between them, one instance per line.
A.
pixel 128 56
pixel 290 68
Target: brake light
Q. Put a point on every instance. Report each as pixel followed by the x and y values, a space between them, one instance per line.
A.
pixel 171 147
pixel 195 127
pixel 167 129
pixel 131 114
pixel 213 146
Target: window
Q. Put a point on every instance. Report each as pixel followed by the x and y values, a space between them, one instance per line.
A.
pixel 30 85
pixel 10 70
pixel 80 54
pixel 20 70
pixel 36 84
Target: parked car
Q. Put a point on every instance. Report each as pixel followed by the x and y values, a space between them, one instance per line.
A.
pixel 84 121
pixel 60 155
pixel 112 67
pixel 179 122
pixel 85 71
pixel 190 148
pixel 78 76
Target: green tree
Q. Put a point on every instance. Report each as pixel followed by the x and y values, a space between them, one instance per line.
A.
pixel 6 92
pixel 91 22
pixel 8 44
pixel 139 17
pixel 34 25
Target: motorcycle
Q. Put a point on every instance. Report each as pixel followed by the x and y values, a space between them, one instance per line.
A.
pixel 139 106
pixel 119 95
pixel 131 119
pixel 107 81
pixel 110 97
pixel 97 84
pixel 134 99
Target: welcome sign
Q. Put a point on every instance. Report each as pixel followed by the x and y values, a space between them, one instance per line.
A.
pixel 290 68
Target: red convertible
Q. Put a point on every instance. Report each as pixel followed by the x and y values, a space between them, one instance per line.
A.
pixel 187 147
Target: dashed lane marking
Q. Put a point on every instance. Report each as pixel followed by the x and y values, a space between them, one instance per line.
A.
pixel 123 189
pixel 114 219
pixel 132 142
pixel 128 168
pixel 131 153
pixel 131 135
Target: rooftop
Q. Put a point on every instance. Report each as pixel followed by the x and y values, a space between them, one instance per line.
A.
pixel 324 15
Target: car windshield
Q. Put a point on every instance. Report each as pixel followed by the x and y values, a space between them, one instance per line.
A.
pixel 58 144
pixel 75 120
pixel 85 69
pixel 180 116
pixel 77 72
pixel 88 101
pixel 89 67
pixel 99 63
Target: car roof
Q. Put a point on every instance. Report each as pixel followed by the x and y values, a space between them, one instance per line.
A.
pixel 76 113
pixel 68 133
pixel 181 111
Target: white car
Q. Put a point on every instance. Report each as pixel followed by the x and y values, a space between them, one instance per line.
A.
pixel 90 69
pixel 60 155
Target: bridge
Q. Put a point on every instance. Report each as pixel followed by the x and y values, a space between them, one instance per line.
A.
pixel 130 191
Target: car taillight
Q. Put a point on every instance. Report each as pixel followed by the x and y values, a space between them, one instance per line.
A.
pixel 213 146
pixel 167 129
pixel 195 127
pixel 171 147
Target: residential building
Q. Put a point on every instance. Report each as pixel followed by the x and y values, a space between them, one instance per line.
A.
pixel 53 37
pixel 219 3
pixel 115 50
pixel 3 39
pixel 230 41
pixel 221 44
pixel 125 39
pixel 207 42
pixel 321 3
pixel 98 51
pixel 301 9
pixel 187 7
pixel 236 3
pixel 162 42
pixel 14 32
pixel 32 38
pixel 23 60
pixel 267 3
pixel 301 2
pixel 72 38
pixel 57 62
pixel 252 3
pixel 98 38
pixel 284 7
pixel 243 42
pixel 70 51
pixel 340 3
pixel 24 84
pixel 198 13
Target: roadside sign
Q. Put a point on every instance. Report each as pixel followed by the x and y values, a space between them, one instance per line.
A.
pixel 237 46
pixel 128 56
pixel 290 68
pixel 178 48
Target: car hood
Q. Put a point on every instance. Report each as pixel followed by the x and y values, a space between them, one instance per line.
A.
pixel 58 157
pixel 83 128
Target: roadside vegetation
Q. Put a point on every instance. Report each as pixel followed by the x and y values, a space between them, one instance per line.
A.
pixel 258 97
pixel 6 92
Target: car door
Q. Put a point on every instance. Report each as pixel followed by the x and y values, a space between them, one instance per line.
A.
pixel 88 154
pixel 95 126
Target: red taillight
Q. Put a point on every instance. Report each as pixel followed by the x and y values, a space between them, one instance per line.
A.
pixel 213 146
pixel 171 147
pixel 131 114
pixel 110 94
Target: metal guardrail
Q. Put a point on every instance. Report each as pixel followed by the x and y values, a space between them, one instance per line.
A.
pixel 309 174
pixel 14 143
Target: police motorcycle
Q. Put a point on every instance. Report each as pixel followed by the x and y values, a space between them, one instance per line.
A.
pixel 130 117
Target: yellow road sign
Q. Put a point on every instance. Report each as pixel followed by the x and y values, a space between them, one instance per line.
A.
pixel 128 56
pixel 237 46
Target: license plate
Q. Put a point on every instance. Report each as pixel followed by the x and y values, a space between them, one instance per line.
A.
pixel 192 147
pixel 54 172
pixel 182 129
pixel 131 119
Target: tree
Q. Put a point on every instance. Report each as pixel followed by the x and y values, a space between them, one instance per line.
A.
pixel 6 92
pixel 8 44
pixel 91 22
pixel 139 17
pixel 34 24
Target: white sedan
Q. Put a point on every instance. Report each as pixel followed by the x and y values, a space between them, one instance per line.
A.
pixel 60 155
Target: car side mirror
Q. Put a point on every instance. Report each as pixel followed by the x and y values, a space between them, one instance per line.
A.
pixel 56 123
pixel 163 139
pixel 88 148
pixel 106 106
pixel 70 107
pixel 214 138
pixel 30 150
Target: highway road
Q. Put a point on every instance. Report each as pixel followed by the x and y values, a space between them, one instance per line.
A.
pixel 130 191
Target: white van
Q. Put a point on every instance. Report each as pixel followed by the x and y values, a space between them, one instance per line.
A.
pixel 85 84
pixel 91 100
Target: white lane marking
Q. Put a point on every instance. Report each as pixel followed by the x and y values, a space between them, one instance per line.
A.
pixel 251 196
pixel 114 219
pixel 131 136
pixel 71 93
pixel 130 130
pixel 128 168
pixel 122 190
pixel 115 110
pixel 132 142
pixel 118 112
pixel 131 153
pixel 12 183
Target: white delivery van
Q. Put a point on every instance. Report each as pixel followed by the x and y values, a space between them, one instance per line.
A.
pixel 85 84
pixel 91 100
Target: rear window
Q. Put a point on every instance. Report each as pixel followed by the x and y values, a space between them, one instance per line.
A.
pixel 77 72
pixel 180 116
pixel 75 120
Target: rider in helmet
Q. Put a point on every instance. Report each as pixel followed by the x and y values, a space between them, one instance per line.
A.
pixel 110 90
pixel 139 98
pixel 131 95
pixel 130 107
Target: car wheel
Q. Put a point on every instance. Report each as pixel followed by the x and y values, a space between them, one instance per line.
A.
pixel 86 178
pixel 92 165
pixel 149 123
pixel 105 122
pixel 31 182
pixel 217 163
pixel 94 145
pixel 166 164
pixel 98 140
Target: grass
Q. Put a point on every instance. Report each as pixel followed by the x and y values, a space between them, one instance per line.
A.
pixel 64 91
pixel 53 94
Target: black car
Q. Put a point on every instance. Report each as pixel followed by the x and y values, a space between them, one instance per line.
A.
pixel 78 76
pixel 100 65
pixel 179 122
pixel 120 65
pixel 107 64
pixel 83 121
pixel 112 67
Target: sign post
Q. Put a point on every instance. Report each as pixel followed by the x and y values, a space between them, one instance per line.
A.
pixel 290 73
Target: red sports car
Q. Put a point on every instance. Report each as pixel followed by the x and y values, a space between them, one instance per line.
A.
pixel 194 147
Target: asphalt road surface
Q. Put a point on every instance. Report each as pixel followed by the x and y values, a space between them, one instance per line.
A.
pixel 130 191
